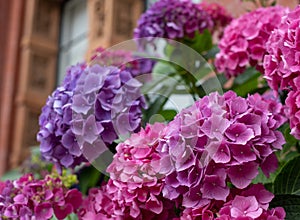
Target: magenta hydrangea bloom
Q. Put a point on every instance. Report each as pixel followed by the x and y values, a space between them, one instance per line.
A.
pixel 282 64
pixel 134 188
pixel 244 40
pixel 29 198
pixel 173 19
pixel 220 138
pixel 293 104
pixel 251 203
pixel 248 204
pixel 107 103
pixel 57 141
pixel 220 17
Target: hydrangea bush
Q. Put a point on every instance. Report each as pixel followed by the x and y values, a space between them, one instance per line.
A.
pixel 233 154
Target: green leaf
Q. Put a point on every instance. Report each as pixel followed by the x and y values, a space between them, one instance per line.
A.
pixel 158 97
pixel 163 67
pixel 248 74
pixel 168 114
pixel 213 84
pixel 261 178
pixel 211 53
pixel 72 216
pixel 290 203
pixel 288 137
pixel 11 175
pixel 168 50
pixel 154 108
pixel 201 42
pixel 88 177
pixel 246 83
pixel 288 180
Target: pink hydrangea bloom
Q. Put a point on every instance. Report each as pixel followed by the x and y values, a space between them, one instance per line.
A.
pixel 293 104
pixel 29 198
pixel 134 188
pixel 120 202
pixel 244 40
pixel 136 160
pixel 282 64
pixel 220 138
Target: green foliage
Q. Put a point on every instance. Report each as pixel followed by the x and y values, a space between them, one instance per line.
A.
pixel 290 203
pixel 88 177
pixel 288 180
pixel 201 42
pixel 286 187
pixel 168 114
pixel 72 216
pixel 248 83
pixel 12 175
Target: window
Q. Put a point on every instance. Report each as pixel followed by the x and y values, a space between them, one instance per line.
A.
pixel 73 39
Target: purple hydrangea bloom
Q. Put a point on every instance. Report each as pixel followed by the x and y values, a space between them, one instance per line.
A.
pixel 173 19
pixel 29 198
pixel 107 104
pixel 57 141
pixel 244 40
pixel 282 64
pixel 220 138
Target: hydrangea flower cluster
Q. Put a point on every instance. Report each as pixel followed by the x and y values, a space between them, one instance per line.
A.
pixel 220 17
pixel 282 65
pixel 57 141
pixel 220 138
pixel 251 203
pixel 244 40
pixel 109 99
pixel 124 60
pixel 293 109
pixel 134 188
pixel 173 19
pixel 28 198
pixel 107 104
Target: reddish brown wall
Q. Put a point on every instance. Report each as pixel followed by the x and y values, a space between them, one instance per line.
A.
pixel 237 8
pixel 11 13
pixel 4 9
